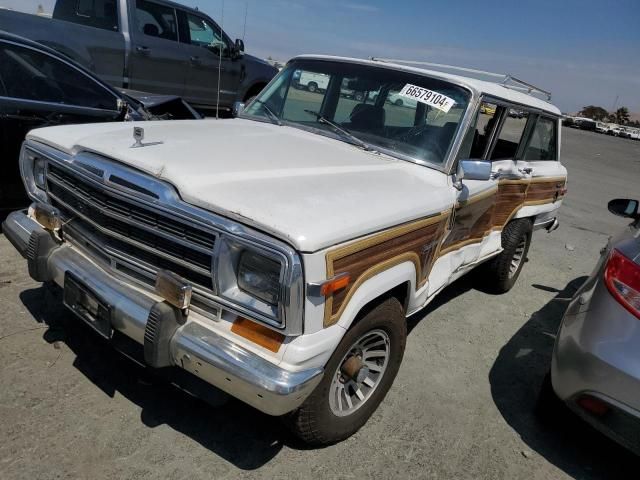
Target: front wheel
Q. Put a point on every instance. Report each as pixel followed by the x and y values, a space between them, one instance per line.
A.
pixel 357 377
pixel 499 274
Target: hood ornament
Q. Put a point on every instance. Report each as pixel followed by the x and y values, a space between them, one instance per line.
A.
pixel 138 136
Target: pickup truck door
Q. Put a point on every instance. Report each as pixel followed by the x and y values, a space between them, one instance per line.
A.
pixel 157 62
pixel 205 40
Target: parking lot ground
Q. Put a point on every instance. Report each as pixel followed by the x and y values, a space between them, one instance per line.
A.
pixel 461 407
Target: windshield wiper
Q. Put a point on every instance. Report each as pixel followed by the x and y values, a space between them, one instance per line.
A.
pixel 272 116
pixel 341 130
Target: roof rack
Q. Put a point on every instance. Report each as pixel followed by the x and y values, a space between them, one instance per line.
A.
pixel 506 80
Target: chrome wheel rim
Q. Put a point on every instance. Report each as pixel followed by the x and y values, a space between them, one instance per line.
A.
pixel 371 352
pixel 518 256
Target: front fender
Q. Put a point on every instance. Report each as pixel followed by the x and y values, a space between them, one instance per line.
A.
pixel 376 286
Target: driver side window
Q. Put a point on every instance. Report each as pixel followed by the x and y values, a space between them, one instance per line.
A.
pixel 205 34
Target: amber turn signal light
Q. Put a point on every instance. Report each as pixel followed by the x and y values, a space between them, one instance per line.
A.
pixel 258 334
pixel 174 289
pixel 334 284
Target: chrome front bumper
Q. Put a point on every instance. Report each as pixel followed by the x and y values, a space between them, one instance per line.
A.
pixel 194 347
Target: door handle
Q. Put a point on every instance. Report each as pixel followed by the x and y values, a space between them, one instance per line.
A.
pixel 143 50
pixel 526 170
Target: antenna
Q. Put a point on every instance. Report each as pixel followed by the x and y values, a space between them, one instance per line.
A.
pixel 220 52
pixel 246 11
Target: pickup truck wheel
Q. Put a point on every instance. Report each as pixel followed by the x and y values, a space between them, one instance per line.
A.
pixel 398 102
pixel 357 377
pixel 312 87
pixel 499 274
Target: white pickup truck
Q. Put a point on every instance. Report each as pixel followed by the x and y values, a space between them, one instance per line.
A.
pixel 276 256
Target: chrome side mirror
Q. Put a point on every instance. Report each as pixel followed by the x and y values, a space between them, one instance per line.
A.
pixel 237 109
pixel 471 170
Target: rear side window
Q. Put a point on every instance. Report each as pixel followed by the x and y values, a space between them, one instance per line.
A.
pixel 506 146
pixel 31 75
pixel 155 20
pixel 91 13
pixel 543 141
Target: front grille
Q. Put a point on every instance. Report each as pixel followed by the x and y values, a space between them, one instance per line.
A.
pixel 118 228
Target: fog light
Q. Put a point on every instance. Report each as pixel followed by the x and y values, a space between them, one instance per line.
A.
pixel 174 289
pixel 47 216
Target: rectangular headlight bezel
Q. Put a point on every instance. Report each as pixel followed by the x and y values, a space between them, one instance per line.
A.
pixel 28 161
pixel 225 275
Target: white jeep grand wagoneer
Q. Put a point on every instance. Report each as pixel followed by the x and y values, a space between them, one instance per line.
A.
pixel 276 255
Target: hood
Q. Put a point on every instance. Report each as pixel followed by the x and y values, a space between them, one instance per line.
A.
pixel 307 189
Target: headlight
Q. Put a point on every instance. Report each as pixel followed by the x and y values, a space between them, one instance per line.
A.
pixel 39 172
pixel 259 276
pixel 33 170
pixel 252 278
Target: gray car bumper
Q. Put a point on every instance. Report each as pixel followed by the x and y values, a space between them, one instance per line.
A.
pixel 193 347
pixel 596 355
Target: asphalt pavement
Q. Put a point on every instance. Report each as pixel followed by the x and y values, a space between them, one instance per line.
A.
pixel 461 407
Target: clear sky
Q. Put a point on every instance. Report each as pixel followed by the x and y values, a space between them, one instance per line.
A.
pixel 584 51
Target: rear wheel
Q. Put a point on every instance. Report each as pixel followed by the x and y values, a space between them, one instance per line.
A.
pixel 398 102
pixel 357 377
pixel 312 87
pixel 499 274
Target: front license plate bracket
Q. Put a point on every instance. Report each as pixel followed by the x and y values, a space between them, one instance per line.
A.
pixel 82 301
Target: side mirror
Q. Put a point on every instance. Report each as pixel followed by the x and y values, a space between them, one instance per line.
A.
pixel 237 109
pixel 239 46
pixel 472 170
pixel 624 207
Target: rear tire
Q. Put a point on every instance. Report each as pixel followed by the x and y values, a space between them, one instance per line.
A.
pixel 500 273
pixel 327 416
pixel 398 103
pixel 312 87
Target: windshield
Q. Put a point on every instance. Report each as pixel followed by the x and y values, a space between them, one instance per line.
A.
pixel 376 108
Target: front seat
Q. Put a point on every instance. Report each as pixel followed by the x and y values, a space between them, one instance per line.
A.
pixel 367 117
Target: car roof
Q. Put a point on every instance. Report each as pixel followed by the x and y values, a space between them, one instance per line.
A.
pixel 476 85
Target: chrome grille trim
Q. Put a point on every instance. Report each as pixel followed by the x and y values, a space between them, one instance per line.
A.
pixel 122 238
pixel 163 200
pixel 121 218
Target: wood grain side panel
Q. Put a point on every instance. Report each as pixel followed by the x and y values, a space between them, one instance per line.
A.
pixel 545 190
pixel 365 258
pixel 472 220
pixel 510 197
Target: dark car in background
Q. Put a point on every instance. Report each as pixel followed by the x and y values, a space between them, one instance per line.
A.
pixel 595 369
pixel 152 46
pixel 41 88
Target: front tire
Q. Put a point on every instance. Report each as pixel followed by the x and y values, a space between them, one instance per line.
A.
pixel 499 274
pixel 357 377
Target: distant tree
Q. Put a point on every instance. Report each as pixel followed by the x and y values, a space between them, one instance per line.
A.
pixel 622 115
pixel 593 112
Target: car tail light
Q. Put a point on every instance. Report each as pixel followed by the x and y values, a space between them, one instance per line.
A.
pixel 622 277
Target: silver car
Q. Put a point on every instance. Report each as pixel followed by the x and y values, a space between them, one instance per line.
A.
pixel 595 368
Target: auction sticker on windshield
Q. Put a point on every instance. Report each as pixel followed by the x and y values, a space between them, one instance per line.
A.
pixel 429 97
